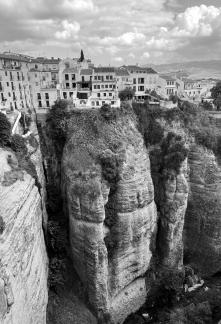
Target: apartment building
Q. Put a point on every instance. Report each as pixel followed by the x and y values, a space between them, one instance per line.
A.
pixel 44 79
pixel 197 89
pixel 144 79
pixel 104 84
pixel 15 92
pixel 124 79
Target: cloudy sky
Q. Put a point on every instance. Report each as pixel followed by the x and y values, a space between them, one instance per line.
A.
pixel 113 31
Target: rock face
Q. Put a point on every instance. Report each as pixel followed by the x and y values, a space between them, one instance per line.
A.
pixel 172 206
pixel 112 227
pixel 202 220
pixel 23 259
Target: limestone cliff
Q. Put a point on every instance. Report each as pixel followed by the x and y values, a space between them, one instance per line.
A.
pixel 112 214
pixel 23 258
pixel 202 220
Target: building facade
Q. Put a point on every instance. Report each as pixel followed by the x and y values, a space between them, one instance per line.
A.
pixel 15 91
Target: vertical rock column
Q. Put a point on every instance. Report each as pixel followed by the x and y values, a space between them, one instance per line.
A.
pixel 172 207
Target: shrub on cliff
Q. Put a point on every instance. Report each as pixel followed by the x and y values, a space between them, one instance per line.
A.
pixel 57 118
pixel 5 130
pixel 126 94
pixel 109 113
pixel 110 166
pixel 18 144
pixel 2 225
pixel 174 151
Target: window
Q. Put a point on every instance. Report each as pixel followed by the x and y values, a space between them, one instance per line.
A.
pixel 98 86
pixel 95 87
pixel 47 104
pixel 82 78
pixel 134 81
pixel 6 73
pixel 98 94
pixel 141 88
pixel 106 86
pixel 65 95
pixel 18 77
pixel 46 96
pixel 67 85
pixel 73 77
pixel 36 66
pixel 103 102
pixel 39 104
pixel 112 102
pixel 7 84
pixel 110 85
pixel 73 85
pixel 102 86
pixel 99 77
pixel 9 94
pixel 111 77
pixel 114 86
pixel 141 80
pixel 97 103
pixel 107 77
pixel 39 96
pixel 92 103
pixel 70 94
pixel 110 94
pixel 2 95
pixel 105 94
pixel 95 78
pixel 66 77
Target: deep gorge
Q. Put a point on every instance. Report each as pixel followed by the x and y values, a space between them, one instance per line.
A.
pixel 131 200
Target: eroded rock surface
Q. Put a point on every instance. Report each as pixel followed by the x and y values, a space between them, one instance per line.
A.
pixel 112 226
pixel 23 259
pixel 172 207
pixel 203 217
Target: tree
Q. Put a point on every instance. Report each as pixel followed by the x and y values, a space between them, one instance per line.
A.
pixel 5 130
pixel 217 102
pixel 126 94
pixel 82 56
pixel 216 94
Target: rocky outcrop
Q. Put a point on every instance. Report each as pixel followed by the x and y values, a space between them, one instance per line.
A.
pixel 202 220
pixel 112 223
pixel 172 205
pixel 23 259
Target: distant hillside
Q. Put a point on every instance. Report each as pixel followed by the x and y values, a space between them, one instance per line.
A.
pixel 196 69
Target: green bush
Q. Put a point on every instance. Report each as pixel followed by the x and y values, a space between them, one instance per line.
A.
pixel 174 151
pixel 18 144
pixel 2 225
pixel 110 166
pixel 25 163
pixel 126 94
pixel 83 187
pixel 109 113
pixel 5 131
pixel 32 141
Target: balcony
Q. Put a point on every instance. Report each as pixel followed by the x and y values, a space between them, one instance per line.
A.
pixel 50 86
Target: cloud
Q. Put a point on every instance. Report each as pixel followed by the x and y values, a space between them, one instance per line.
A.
pixel 146 55
pixel 70 30
pixel 133 30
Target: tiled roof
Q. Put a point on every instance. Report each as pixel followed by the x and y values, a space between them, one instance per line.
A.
pixel 167 77
pixel 71 70
pixel 14 57
pixel 122 72
pixel 45 60
pixel 104 69
pixel 134 68
pixel 86 72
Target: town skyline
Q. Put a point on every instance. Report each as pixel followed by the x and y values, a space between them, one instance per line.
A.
pixel 130 32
